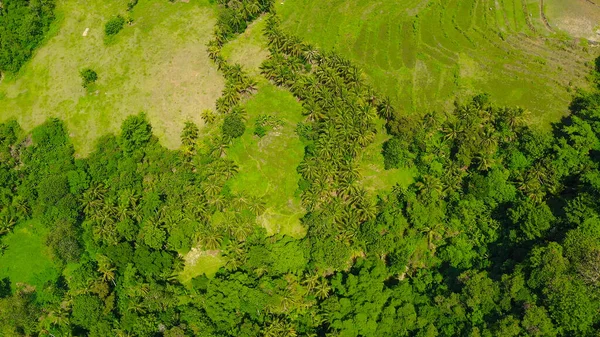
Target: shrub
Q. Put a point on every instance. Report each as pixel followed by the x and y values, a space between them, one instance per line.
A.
pixel 114 25
pixel 392 153
pixel 233 126
pixel 88 77
pixel 131 4
pixel 260 130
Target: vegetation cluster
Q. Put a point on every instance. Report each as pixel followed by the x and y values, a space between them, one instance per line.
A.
pixel 498 235
pixel 23 26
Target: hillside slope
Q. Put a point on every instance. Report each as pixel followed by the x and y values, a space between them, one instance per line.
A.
pixel 423 53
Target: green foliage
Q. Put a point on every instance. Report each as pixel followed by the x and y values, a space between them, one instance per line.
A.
pixel 88 77
pixel 136 132
pixel 23 25
pixel 393 153
pixel 114 25
pixel 87 310
pixel 497 236
pixel 233 126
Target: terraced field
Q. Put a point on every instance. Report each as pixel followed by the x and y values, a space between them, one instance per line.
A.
pixel 424 54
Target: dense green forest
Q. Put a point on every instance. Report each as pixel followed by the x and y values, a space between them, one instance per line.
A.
pixel 23 24
pixel 499 234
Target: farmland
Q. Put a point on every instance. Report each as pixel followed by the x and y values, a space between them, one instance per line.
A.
pixel 426 54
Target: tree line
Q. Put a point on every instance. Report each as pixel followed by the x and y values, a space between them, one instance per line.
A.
pixel 23 25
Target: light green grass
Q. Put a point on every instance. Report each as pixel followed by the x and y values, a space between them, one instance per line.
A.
pixel 267 165
pixel 200 263
pixel 27 259
pixel 249 49
pixel 374 177
pixel 158 65
pixel 426 54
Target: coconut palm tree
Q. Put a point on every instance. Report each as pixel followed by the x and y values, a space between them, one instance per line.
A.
pixel 213 50
pixel 429 184
pixel 208 116
pixel 240 112
pixel 256 205
pixel 310 281
pixel 434 232
pixel 106 269
pixel 211 240
pixel 385 109
pixel 7 222
pixel 452 130
pixel 322 289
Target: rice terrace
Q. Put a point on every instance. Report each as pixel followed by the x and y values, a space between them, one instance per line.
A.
pixel 347 168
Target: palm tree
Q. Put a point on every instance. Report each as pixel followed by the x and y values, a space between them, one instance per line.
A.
pixel 231 97
pixel 213 50
pixel 106 269
pixel 279 328
pixel 211 240
pixel 429 184
pixel 452 130
pixel 310 281
pixel 385 109
pixel 211 187
pixel 484 161
pixel 218 147
pixel 137 307
pixel 308 169
pixel 323 289
pixel 7 222
pixel 433 232
pixel 256 205
pixel 240 112
pixel 59 316
pixel 208 116
pixel 228 168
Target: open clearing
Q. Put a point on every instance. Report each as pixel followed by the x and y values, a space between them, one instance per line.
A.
pixel 27 260
pixel 267 165
pixel 374 177
pixel 424 53
pixel 249 49
pixel 198 262
pixel 580 18
pixel 158 65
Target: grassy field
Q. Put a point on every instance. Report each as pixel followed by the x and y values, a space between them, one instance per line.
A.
pixel 425 54
pixel 27 260
pixel 249 49
pixel 268 164
pixel 374 177
pixel 580 18
pixel 158 65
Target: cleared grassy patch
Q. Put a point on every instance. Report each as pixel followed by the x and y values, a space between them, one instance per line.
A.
pixel 27 258
pixel 267 165
pixel 199 262
pixel 425 55
pixel 158 65
pixel 374 177
pixel 248 49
